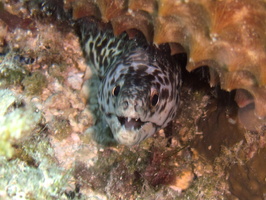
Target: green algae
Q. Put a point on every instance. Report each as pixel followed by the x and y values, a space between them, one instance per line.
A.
pixel 34 84
pixel 61 128
pixel 11 71
pixel 41 180
pixel 28 169
pixel 7 98
pixel 57 70
pixel 16 122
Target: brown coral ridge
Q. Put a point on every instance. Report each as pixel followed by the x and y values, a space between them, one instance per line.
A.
pixel 227 36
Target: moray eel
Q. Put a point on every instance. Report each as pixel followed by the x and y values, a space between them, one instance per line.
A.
pixel 140 82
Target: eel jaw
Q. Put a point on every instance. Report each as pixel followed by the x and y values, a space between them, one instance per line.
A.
pixel 130 131
pixel 130 123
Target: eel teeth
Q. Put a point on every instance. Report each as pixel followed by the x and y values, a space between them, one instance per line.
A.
pixel 130 123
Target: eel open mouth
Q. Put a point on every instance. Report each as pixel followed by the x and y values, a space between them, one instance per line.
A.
pixel 130 123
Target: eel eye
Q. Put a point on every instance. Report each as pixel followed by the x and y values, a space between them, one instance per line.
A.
pixel 154 98
pixel 116 90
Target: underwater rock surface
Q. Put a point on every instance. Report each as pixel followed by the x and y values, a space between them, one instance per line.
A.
pixel 205 154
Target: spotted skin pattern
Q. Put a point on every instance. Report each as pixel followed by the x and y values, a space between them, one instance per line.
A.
pixel 140 83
